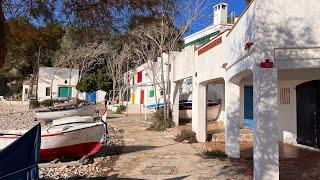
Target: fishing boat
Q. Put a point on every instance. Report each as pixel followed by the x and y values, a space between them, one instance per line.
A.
pixel 72 136
pixel 49 114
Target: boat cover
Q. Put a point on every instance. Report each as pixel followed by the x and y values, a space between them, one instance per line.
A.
pixel 20 159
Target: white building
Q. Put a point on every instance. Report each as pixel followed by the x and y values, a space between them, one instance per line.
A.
pixel 220 23
pixel 54 83
pixel 142 89
pixel 268 65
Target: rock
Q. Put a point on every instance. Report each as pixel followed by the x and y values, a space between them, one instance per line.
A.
pixel 186 141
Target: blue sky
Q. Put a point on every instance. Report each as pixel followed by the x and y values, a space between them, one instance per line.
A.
pixel 236 6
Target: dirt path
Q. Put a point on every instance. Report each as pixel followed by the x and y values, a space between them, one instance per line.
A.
pixel 155 155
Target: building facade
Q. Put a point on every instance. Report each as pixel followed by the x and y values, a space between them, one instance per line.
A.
pixel 54 83
pixel 268 64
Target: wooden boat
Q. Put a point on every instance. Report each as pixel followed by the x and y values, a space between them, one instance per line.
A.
pixel 66 137
pixel 50 114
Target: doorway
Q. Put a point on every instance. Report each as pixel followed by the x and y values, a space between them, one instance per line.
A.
pixel 308 113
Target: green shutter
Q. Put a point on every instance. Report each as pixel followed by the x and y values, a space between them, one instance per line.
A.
pixel 151 93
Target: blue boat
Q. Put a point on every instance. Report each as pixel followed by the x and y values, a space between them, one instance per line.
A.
pixel 19 160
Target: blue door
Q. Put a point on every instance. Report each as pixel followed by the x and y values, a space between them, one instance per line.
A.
pixel 91 97
pixel 248 107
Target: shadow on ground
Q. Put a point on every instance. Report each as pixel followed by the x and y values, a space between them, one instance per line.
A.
pixel 116 176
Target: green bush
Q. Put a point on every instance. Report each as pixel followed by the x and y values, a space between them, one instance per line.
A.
pixel 188 135
pixel 214 154
pixel 47 103
pixel 159 123
pixel 34 104
pixel 120 109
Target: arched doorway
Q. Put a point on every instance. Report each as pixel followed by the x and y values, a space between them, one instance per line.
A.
pixel 308 113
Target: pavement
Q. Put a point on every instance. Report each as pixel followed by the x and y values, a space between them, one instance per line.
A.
pixel 155 155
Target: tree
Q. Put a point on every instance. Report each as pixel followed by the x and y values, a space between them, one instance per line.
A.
pixel 94 82
pixel 166 35
pixel 85 58
pixel 145 52
pixel 92 19
pixel 32 9
pixel 3 49
pixel 117 65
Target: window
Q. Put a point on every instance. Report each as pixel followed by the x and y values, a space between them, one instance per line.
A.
pixel 26 91
pixel 65 82
pixel 223 6
pixel 284 95
pixel 151 93
pixel 48 91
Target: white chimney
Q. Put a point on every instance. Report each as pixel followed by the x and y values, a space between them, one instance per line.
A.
pixel 220 14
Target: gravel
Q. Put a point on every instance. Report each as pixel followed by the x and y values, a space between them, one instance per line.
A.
pixel 16 117
pixel 98 165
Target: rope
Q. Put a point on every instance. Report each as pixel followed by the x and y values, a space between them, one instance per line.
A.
pixel 10 174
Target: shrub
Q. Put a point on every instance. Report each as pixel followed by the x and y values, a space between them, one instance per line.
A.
pixel 34 104
pixel 118 111
pixel 122 108
pixel 159 123
pixel 214 154
pixel 47 103
pixel 187 135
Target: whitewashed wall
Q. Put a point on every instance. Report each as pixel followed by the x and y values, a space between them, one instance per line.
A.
pixel 288 23
pixel 183 64
pixel 59 76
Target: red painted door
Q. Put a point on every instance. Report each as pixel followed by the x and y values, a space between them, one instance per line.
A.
pixel 142 96
pixel 139 77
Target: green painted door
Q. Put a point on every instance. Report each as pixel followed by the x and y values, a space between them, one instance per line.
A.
pixel 65 92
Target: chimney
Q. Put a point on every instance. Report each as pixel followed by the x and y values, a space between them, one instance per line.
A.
pixel 220 14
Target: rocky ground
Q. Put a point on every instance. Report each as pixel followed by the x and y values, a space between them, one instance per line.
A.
pixel 131 152
pixel 16 116
pixel 97 165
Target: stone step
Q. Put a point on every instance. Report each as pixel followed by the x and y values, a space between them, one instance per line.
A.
pixel 245 135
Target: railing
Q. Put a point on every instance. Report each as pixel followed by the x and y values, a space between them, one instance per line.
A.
pixel 294 48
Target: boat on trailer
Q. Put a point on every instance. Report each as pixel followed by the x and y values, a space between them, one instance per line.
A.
pixel 72 136
pixel 49 114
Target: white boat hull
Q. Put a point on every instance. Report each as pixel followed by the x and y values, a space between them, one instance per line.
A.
pixel 52 115
pixel 78 140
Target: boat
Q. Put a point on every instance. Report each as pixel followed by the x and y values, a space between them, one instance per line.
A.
pixel 49 114
pixel 66 137
pixel 20 159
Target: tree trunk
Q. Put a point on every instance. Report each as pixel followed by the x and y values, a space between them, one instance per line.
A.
pixel 3 49
pixel 168 84
pixel 163 89
pixel 32 81
pixel 155 91
pixel 51 85
pixel 113 89
pixel 37 73
pixel 70 76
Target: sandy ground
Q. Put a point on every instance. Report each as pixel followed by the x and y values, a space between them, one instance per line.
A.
pixel 155 155
pixel 133 152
